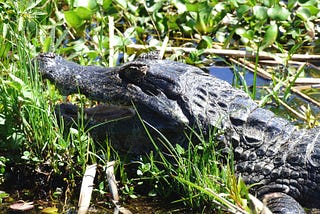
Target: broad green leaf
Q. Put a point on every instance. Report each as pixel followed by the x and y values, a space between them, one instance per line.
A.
pixel 303 13
pixel 278 13
pixel 106 4
pixel 310 26
pixel 292 4
pixel 89 4
pixel 205 42
pixel 249 34
pixel 242 1
pixel 240 31
pixel 269 3
pixel 73 19
pixel 242 10
pixel 83 13
pixel 270 36
pixel 260 12
pixel 180 5
pixel 313 9
pixel 308 2
pixel 33 5
pixel 16 83
pixel 122 3
pixel 220 37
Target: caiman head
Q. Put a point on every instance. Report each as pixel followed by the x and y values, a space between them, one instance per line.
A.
pixel 153 86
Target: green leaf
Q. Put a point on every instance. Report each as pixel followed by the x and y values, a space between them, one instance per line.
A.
pixel 278 13
pixel 240 31
pixel 46 45
pixel 270 36
pixel 249 34
pixel 4 48
pixel 260 12
pixel 303 13
pixel 180 5
pixel 73 19
pixel 308 2
pixel 122 3
pixel 106 4
pixel 313 9
pixel 292 4
pixel 83 13
pixel 89 4
pixel 242 10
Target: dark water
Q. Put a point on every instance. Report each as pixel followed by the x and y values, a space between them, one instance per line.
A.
pixel 231 75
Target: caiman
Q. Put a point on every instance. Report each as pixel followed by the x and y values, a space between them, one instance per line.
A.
pixel 282 160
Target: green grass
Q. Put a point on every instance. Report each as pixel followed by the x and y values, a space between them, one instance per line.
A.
pixel 201 175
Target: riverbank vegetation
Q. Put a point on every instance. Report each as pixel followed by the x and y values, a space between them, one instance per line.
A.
pixel 38 151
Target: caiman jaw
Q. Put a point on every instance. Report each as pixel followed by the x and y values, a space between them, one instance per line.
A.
pixel 132 82
pixel 99 114
pixel 56 69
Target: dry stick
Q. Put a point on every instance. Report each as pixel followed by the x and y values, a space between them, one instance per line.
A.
pixel 247 65
pixel 86 189
pixel 113 189
pixel 112 180
pixel 273 62
pixel 111 39
pixel 297 114
pixel 259 70
pixel 233 53
pixel 304 96
pixel 265 74
pixel 299 80
pixel 308 81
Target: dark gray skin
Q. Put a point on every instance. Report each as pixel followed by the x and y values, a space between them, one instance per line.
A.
pixel 268 150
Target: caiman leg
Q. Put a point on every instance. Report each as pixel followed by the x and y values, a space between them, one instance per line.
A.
pixel 282 203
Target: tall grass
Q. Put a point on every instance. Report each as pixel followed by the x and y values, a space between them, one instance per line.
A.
pixel 30 132
pixel 201 174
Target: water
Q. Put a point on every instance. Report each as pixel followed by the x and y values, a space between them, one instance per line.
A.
pixel 229 74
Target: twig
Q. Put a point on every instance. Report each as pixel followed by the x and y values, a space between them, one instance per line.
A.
pixel 304 96
pixel 86 189
pixel 249 66
pixel 111 39
pixel 273 62
pixel 112 180
pixel 308 81
pixel 114 190
pixel 266 75
pixel 297 114
pixel 233 53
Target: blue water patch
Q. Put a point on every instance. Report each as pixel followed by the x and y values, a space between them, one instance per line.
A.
pixel 229 74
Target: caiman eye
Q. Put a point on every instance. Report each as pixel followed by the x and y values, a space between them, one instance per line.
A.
pixel 133 71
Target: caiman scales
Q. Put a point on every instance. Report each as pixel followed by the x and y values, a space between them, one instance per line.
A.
pixel 170 96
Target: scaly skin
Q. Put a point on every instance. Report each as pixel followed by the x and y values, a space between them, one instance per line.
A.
pixel 268 150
